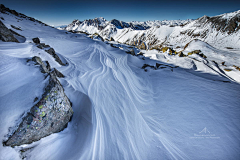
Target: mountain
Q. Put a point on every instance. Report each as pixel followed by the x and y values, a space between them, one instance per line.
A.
pixel 99 24
pixel 128 103
pixel 220 31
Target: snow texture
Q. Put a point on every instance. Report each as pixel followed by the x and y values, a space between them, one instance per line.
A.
pixel 120 111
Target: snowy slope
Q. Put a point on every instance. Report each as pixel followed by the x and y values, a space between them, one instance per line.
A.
pixel 120 111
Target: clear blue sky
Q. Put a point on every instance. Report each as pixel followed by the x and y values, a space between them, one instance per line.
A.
pixel 58 12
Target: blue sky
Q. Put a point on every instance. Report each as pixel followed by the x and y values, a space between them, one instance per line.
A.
pixel 58 12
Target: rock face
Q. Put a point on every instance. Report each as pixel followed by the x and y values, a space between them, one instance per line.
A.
pixel 36 40
pixel 50 51
pixel 5 34
pixel 50 115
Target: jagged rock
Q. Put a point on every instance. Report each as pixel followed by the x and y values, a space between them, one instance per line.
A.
pixel 59 74
pixel 43 67
pixel 181 54
pixel 52 52
pixel 147 65
pixel 6 35
pixel 96 36
pixel 111 39
pixel 202 55
pixel 131 52
pixel 42 46
pixel 198 52
pixel 36 40
pixel 50 115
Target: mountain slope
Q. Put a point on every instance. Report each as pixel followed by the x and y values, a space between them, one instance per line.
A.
pixel 120 110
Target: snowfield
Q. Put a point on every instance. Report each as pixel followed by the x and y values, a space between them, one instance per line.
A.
pixel 121 111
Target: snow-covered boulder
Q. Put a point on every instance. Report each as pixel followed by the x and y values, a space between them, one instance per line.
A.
pixel 50 115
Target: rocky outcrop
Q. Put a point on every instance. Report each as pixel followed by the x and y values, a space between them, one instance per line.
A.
pixel 50 115
pixel 6 35
pixel 50 51
pixel 111 39
pixel 96 36
pixel 36 40
pixel 132 52
pixel 198 52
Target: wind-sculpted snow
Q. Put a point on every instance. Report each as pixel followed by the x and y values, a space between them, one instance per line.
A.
pixel 120 111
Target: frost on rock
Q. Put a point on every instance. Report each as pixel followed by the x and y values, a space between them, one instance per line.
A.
pixel 50 115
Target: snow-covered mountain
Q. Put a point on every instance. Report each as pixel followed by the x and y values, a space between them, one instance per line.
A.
pixel 219 31
pixel 97 25
pixel 155 104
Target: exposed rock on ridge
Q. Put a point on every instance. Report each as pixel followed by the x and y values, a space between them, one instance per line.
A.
pixel 50 115
pixel 6 35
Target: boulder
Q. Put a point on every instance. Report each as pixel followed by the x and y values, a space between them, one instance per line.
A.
pixel 42 46
pixel 131 52
pixel 43 67
pixel 181 54
pixel 58 73
pixel 52 52
pixel 6 35
pixel 36 40
pixel 50 115
pixel 111 39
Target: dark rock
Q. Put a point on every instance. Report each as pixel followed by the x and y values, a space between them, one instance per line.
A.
pixel 52 52
pixel 202 55
pixel 6 35
pixel 43 67
pixel 42 46
pixel 111 39
pixel 59 74
pixel 131 52
pixel 181 54
pixel 36 40
pixel 145 65
pixel 2 18
pixel 113 46
pixel 17 28
pixel 48 66
pixel 35 99
pixel 50 115
pixel 96 36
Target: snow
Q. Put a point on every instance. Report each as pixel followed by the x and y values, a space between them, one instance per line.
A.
pixel 121 111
